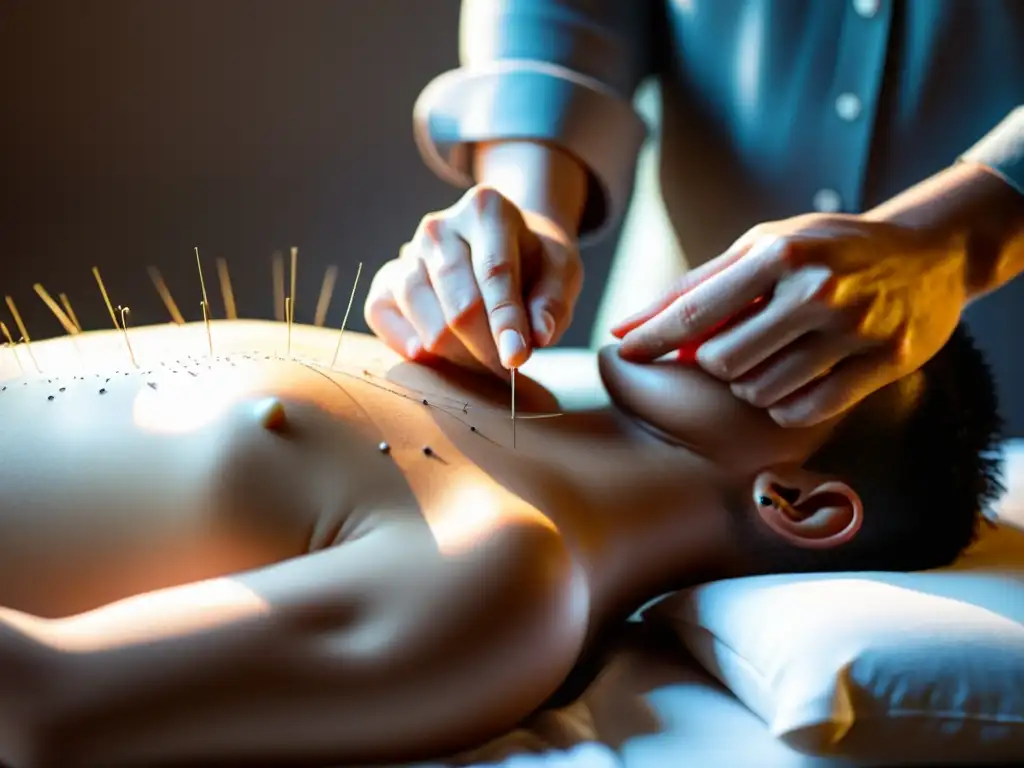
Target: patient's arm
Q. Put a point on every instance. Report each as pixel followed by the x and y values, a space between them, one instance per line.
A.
pixel 383 648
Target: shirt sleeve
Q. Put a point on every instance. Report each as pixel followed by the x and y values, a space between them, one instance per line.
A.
pixel 1002 149
pixel 560 71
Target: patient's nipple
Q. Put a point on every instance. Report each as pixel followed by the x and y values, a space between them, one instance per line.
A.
pixel 271 415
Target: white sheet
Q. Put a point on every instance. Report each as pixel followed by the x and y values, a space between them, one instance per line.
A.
pixel 651 705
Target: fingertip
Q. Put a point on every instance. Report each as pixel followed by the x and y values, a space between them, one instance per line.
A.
pixel 543 327
pixel 513 349
pixel 628 325
pixel 414 350
pixel 794 415
pixel 633 351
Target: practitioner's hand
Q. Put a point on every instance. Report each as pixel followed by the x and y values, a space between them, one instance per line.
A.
pixel 480 284
pixel 851 305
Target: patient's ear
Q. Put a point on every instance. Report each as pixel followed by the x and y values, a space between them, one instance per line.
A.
pixel 807 509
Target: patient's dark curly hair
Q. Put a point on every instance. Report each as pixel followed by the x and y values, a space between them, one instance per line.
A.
pixel 925 473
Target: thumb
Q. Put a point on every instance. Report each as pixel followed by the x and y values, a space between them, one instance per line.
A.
pixel 682 286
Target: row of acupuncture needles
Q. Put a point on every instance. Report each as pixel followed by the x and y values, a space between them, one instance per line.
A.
pixel 284 310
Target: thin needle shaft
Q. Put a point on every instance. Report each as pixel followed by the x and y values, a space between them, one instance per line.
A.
pixel 54 307
pixel 206 303
pixel 278 265
pixel 323 302
pixel 289 303
pixel 62 317
pixel 22 330
pixel 66 303
pixel 106 297
pixel 344 321
pixel 11 345
pixel 225 288
pixel 124 329
pixel 291 291
pixel 513 407
pixel 165 295
pixel 287 312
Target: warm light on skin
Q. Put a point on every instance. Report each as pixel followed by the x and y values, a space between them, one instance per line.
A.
pixel 188 406
pixel 145 618
pixel 472 513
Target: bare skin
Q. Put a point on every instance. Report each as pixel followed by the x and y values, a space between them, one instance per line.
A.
pixel 254 558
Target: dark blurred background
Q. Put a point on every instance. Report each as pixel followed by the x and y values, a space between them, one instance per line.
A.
pixel 133 130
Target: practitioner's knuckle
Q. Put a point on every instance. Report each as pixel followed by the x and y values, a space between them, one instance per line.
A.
pixel 494 268
pixel 448 264
pixel 379 292
pixel 487 202
pixel 410 281
pixel 788 251
pixel 503 312
pixel 431 230
pixel 685 317
pixel 557 305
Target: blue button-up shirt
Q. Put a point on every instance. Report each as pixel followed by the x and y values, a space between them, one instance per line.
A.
pixel 770 108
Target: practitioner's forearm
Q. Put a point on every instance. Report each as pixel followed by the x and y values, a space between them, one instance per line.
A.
pixel 539 178
pixel 974 210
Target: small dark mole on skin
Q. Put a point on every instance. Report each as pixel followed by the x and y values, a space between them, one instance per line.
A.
pixel 62 389
pixel 50 397
pixel 103 391
pixel 428 451
pixel 107 381
pixel 425 402
pixel 384 448
pixel 472 429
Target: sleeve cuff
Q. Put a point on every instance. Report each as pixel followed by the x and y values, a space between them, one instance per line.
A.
pixel 533 100
pixel 1002 150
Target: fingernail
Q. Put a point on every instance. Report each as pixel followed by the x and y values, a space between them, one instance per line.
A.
pixel 510 346
pixel 545 328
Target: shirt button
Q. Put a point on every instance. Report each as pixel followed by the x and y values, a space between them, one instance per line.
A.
pixel 848 107
pixel 866 8
pixel 827 201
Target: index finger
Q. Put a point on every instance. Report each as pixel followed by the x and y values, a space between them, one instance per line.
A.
pixel 494 251
pixel 708 305
pixel 683 285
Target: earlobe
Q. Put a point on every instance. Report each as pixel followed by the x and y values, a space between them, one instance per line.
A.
pixel 806 510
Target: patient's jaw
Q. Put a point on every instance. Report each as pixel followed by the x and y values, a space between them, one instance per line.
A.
pixel 761 463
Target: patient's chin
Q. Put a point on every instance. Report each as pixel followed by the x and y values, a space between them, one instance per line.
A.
pixel 651 393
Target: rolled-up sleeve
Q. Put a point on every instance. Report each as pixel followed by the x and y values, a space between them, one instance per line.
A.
pixel 1002 149
pixel 559 71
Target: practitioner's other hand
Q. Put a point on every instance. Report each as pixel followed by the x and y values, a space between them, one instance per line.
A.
pixel 849 305
pixel 480 284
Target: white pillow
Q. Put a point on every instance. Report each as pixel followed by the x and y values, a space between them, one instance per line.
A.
pixel 889 668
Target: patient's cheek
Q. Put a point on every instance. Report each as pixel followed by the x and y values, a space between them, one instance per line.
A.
pixel 700 412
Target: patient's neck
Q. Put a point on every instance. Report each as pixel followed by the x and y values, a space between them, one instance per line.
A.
pixel 652 517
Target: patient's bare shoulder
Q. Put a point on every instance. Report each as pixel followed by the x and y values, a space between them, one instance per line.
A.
pixel 493 612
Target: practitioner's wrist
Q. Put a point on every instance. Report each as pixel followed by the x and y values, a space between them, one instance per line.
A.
pixel 539 178
pixel 974 213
